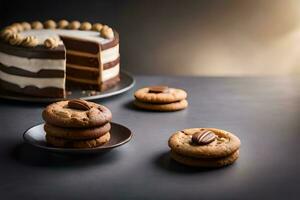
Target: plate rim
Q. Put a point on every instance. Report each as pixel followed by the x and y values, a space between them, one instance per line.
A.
pixel 75 150
pixel 31 99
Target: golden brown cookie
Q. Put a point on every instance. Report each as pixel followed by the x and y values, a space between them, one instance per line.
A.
pixel 179 105
pixel 76 113
pixel 205 162
pixel 64 143
pixel 224 144
pixel 77 133
pixel 160 95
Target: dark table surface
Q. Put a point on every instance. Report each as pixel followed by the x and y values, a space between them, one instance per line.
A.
pixel 263 112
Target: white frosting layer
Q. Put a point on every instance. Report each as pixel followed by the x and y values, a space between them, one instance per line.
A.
pixel 22 81
pixel 33 64
pixel 110 73
pixel 43 34
pixel 110 54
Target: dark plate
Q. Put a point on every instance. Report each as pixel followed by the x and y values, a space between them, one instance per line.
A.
pixel 126 83
pixel 119 135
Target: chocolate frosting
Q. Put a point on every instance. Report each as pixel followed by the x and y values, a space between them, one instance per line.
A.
pixel 37 52
pixel 44 73
pixel 83 61
pixel 33 90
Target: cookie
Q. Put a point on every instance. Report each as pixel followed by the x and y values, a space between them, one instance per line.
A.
pixel 76 113
pixel 64 143
pixel 224 144
pixel 179 105
pixel 160 95
pixel 205 162
pixel 76 133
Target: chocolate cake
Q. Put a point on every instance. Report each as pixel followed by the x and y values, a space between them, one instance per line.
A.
pixel 42 59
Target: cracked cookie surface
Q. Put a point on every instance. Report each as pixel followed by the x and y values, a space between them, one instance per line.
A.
pixel 62 115
pixel 224 145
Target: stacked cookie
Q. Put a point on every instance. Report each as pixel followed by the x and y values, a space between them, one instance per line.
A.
pixel 160 98
pixel 204 147
pixel 77 124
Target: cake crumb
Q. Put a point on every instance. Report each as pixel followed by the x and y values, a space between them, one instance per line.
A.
pixel 92 93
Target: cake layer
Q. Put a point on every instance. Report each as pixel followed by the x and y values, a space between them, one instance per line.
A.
pixel 32 64
pixel 87 86
pixel 86 67
pixel 82 72
pixel 83 60
pixel 81 45
pixel 44 73
pixel 92 60
pixel 36 52
pixel 22 81
pixel 110 73
pixel 79 53
pixel 85 75
pixel 89 73
pixel 112 43
pixel 111 64
pixel 110 54
pixel 83 81
pixel 110 83
pixel 33 91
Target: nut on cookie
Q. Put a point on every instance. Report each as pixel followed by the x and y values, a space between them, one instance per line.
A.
pixel 77 123
pixel 204 147
pixel 160 98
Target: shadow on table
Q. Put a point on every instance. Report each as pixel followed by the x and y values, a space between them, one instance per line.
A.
pixel 164 162
pixel 29 155
pixel 18 103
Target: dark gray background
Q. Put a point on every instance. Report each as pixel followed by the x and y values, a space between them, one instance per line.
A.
pixel 262 112
pixel 188 37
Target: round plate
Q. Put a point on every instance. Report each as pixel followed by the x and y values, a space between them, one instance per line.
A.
pixel 126 83
pixel 119 135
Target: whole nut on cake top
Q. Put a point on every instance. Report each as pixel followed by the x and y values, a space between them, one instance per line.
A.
pixel 97 27
pixel 16 39
pixel 107 32
pixel 51 42
pixel 30 41
pixel 37 25
pixel 63 24
pixel 74 25
pixel 18 27
pixel 77 123
pixel 85 26
pixel 50 24
pixel 26 26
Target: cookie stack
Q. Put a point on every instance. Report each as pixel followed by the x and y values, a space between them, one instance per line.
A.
pixel 77 124
pixel 204 147
pixel 160 98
